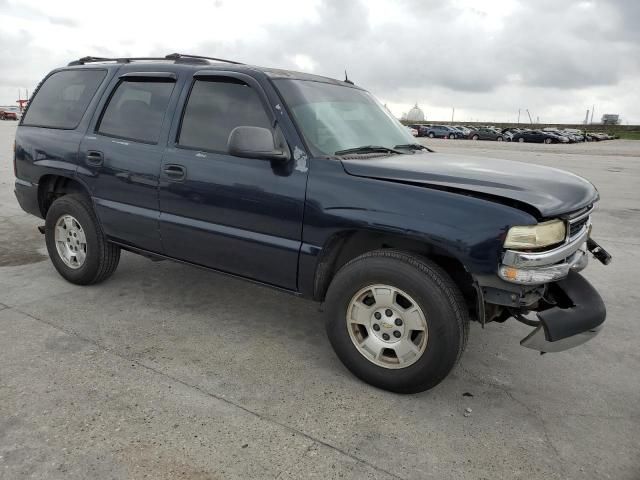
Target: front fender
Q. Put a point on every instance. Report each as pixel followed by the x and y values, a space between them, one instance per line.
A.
pixel 469 229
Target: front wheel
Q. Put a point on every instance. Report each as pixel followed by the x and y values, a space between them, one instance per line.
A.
pixel 75 242
pixel 396 321
pixel 547 141
pixel 475 137
pixel 499 139
pixel 521 140
pixel 431 135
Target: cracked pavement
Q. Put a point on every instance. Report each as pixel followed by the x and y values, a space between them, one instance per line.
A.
pixel 167 371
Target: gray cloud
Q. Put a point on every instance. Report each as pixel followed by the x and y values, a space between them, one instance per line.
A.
pixel 432 51
pixel 543 44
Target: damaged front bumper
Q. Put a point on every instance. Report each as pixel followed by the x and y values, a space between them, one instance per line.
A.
pixel 569 310
pixel 575 320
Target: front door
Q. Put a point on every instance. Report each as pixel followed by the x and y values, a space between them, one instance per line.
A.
pixel 239 215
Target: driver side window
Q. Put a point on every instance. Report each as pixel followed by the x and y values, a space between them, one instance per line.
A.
pixel 214 108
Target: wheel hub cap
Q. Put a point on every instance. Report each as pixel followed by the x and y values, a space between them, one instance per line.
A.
pixel 387 326
pixel 71 242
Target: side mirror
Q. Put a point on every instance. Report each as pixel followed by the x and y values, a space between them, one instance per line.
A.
pixel 255 142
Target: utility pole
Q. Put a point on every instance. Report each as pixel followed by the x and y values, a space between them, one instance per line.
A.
pixel 530 120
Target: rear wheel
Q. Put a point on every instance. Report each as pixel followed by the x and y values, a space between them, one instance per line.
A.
pixel 475 137
pixel 396 321
pixel 75 242
pixel 431 135
pixel 521 139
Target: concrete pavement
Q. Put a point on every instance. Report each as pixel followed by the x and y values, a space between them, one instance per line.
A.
pixel 168 371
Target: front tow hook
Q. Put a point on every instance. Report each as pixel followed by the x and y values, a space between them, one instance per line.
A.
pixel 598 252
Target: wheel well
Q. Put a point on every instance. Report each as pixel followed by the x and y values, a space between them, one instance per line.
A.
pixel 51 187
pixel 347 246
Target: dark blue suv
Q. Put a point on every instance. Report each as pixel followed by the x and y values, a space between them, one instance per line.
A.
pixel 309 185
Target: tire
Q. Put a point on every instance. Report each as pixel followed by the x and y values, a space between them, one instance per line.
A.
pixel 93 259
pixel 426 290
pixel 499 139
pixel 452 136
pixel 547 141
pixel 521 140
pixel 475 137
pixel 431 135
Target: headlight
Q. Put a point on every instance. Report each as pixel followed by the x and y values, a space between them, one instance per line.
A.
pixel 536 236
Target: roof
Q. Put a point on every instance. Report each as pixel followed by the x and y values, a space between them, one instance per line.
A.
pixel 195 62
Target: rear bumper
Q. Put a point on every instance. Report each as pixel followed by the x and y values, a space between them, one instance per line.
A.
pixel 27 195
pixel 580 320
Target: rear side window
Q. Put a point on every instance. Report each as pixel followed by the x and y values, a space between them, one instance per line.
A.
pixel 214 109
pixel 63 98
pixel 136 110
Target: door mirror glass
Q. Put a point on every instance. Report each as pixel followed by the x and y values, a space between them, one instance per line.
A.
pixel 255 142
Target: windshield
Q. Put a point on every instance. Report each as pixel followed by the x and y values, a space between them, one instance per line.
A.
pixel 334 118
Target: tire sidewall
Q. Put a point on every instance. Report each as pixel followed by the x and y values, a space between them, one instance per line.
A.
pixel 444 335
pixel 71 205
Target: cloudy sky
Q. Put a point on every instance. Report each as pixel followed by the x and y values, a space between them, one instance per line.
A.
pixel 485 58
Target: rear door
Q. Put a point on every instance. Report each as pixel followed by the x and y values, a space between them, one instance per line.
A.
pixel 120 156
pixel 238 215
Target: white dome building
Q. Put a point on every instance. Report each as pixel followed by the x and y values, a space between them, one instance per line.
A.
pixel 415 114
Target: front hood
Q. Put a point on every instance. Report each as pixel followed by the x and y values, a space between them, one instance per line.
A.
pixel 547 190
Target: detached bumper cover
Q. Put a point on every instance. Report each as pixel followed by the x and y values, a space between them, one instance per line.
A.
pixel 564 328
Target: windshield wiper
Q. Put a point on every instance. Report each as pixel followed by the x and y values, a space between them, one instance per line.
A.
pixel 414 146
pixel 367 149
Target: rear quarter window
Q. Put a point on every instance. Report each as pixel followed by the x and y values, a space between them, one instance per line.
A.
pixel 63 98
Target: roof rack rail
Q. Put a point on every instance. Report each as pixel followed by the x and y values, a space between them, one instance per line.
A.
pixel 175 57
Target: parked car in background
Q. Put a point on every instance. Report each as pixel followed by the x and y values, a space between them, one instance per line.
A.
pixel 421 128
pixel 538 136
pixel 570 138
pixel 486 133
pixel 578 135
pixel 508 133
pixel 598 136
pixel 8 114
pixel 442 131
pixel 413 131
pixel 464 131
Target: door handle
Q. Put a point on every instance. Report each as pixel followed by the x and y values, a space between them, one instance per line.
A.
pixel 95 158
pixel 175 172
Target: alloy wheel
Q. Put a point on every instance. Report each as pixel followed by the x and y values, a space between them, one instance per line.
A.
pixel 387 326
pixel 71 242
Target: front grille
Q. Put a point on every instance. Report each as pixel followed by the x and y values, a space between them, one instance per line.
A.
pixel 575 228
